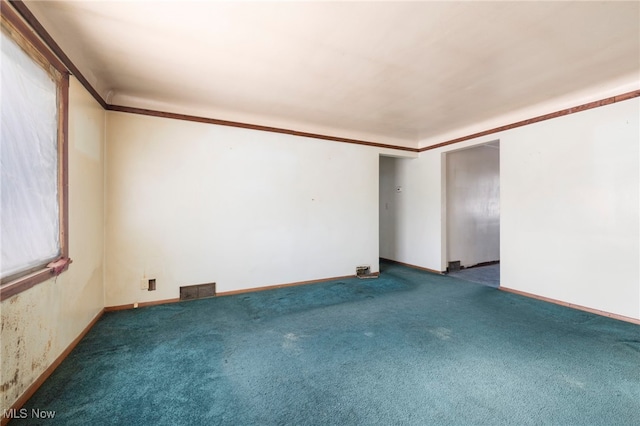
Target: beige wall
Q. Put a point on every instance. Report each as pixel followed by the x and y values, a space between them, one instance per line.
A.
pixel 569 208
pixel 40 323
pixel 192 203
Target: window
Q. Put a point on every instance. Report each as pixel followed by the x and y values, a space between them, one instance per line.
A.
pixel 33 173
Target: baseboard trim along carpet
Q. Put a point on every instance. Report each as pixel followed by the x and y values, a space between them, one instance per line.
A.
pixel 139 305
pixel 22 399
pixel 573 306
pixel 410 347
pixel 409 265
pixel 41 379
pixel 276 286
pixel 225 293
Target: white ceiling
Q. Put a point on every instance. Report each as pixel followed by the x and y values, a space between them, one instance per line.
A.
pixel 390 72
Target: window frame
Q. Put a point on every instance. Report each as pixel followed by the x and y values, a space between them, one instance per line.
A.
pixel 15 28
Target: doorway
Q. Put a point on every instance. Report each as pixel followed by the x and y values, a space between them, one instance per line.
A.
pixel 387 215
pixel 473 213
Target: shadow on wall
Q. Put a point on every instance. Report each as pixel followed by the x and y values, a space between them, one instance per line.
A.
pixel 389 200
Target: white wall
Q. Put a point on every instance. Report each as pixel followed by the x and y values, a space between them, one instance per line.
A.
pixel 473 205
pixel 191 203
pixel 569 208
pixel 40 323
pixel 407 233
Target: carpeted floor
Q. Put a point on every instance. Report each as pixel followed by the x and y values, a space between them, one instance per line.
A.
pixel 409 348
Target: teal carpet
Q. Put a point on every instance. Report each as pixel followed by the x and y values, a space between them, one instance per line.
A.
pixel 409 348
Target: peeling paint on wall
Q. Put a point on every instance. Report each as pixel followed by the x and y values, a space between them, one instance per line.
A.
pixel 40 323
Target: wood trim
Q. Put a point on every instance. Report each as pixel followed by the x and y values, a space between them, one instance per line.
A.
pixel 63 167
pixel 568 111
pixel 23 28
pixel 26 14
pixel 22 399
pixel 197 119
pixel 119 307
pixel 225 293
pixel 66 63
pixel 22 34
pixel 139 305
pixel 158 302
pixel 277 286
pixel 24 283
pixel 64 60
pixel 409 265
pixel 571 305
